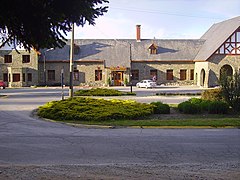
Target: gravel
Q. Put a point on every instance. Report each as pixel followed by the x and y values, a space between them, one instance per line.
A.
pixel 228 171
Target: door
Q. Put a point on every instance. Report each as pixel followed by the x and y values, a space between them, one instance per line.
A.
pixel 117 78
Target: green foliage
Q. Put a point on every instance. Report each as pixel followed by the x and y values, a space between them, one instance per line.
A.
pixel 195 105
pixel 212 94
pixel 189 108
pixel 160 108
pixel 231 90
pixel 201 103
pixel 109 82
pixel 101 92
pixel 126 81
pixel 88 109
pixel 218 107
pixel 46 22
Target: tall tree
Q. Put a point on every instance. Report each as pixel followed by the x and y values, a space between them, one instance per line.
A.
pixel 44 23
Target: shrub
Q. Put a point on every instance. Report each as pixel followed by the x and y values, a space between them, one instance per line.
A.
pixel 101 92
pixel 160 108
pixel 204 105
pixel 231 89
pixel 218 107
pixel 189 108
pixel 195 100
pixel 88 109
pixel 212 94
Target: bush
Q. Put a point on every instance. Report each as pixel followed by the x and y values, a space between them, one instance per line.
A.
pixel 189 108
pixel 212 94
pixel 160 108
pixel 231 89
pixel 204 105
pixel 88 109
pixel 101 92
pixel 218 107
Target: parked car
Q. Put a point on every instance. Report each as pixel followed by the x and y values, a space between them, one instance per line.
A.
pixel 146 84
pixel 2 84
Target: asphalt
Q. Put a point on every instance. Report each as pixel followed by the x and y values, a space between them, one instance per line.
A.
pixel 29 145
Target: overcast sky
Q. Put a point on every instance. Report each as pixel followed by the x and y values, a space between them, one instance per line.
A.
pixel 160 19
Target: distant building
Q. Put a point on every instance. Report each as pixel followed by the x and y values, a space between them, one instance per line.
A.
pixel 103 61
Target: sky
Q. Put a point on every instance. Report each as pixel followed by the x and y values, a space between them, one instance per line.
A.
pixel 160 19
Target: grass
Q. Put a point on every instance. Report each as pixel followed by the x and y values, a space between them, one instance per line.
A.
pixel 216 123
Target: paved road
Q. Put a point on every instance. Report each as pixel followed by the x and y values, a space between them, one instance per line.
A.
pixel 164 153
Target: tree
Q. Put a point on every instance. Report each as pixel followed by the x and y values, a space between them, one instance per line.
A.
pixel 231 90
pixel 44 23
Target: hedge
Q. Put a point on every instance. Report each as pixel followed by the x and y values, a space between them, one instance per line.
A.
pixel 101 92
pixel 160 108
pixel 195 106
pixel 88 109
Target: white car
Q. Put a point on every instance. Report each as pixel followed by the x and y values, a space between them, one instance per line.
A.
pixel 146 84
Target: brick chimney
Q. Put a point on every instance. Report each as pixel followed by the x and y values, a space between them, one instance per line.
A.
pixel 138 33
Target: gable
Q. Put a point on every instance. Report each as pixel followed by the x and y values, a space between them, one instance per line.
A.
pixel 216 36
pixel 231 45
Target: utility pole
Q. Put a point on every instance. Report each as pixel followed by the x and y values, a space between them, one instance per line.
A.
pixel 71 63
pixel 130 57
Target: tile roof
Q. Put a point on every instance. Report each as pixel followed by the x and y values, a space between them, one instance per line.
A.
pixel 117 52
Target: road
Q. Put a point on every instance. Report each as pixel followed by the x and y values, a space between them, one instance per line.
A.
pixel 31 148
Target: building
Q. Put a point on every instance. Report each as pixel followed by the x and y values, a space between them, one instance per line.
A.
pixel 99 62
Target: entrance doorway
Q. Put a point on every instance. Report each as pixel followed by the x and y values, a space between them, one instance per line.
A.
pixel 117 78
pixel 202 77
pixel 226 70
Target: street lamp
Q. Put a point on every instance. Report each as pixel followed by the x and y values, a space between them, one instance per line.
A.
pixel 44 65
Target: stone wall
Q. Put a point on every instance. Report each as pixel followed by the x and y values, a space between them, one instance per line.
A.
pixel 212 69
pixel 86 72
pixel 161 67
pixel 18 67
pixel 216 62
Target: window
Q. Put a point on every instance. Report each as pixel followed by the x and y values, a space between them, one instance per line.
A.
pixel 23 77
pixel 16 77
pixel 135 74
pixel 25 58
pixel 29 77
pixel 232 45
pixel 153 49
pixel 170 74
pixel 192 74
pixel 76 75
pixel 76 49
pixel 7 58
pixel 51 75
pixel 183 74
pixel 98 75
pixel 153 74
pixel 5 77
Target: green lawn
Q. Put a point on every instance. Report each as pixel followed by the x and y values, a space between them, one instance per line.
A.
pixel 215 122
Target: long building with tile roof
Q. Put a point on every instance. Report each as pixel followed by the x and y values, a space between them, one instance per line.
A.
pixel 99 62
